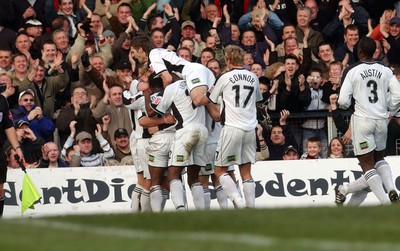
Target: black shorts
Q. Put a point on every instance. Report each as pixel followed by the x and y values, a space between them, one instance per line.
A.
pixel 3 167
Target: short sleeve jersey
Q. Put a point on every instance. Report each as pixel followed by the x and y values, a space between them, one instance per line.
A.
pixel 369 84
pixel 166 60
pixel 175 97
pixel 136 104
pixel 239 89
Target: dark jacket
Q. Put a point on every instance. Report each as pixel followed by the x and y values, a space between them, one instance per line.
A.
pixel 45 163
pixel 293 100
pixel 276 151
pixel 32 149
pixel 85 122
pixel 21 6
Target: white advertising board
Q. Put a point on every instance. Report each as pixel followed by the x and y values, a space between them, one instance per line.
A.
pixel 301 183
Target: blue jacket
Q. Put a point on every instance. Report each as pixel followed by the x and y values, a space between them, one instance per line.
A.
pixel 42 128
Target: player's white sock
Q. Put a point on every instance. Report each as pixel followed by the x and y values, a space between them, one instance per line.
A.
pixel 384 171
pixel 222 197
pixel 249 190
pixel 198 196
pixel 230 188
pixel 238 188
pixel 136 198
pixel 375 183
pixel 156 198
pixel 184 195
pixel 358 197
pixel 354 186
pixel 145 201
pixel 176 188
pixel 207 198
pixel 165 196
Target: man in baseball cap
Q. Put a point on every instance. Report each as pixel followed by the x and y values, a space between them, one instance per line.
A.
pixel 395 20
pixel 120 132
pixel 122 148
pixel 83 135
pixel 290 153
pixel 20 123
pixel 394 29
pixel 26 92
pixel 33 28
pixel 188 23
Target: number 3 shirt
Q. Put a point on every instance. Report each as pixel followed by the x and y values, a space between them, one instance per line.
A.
pixel 374 88
pixel 239 90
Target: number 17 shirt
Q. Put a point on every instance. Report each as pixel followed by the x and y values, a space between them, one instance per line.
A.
pixel 239 90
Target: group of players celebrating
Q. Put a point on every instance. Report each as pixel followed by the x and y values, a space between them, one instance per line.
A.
pixel 197 124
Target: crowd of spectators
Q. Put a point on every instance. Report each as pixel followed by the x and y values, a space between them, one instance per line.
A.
pixel 65 64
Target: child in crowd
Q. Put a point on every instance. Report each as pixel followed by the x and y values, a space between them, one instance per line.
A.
pixel 315 127
pixel 313 149
pixel 248 60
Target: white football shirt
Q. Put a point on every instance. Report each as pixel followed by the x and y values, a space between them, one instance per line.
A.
pixel 166 60
pixel 239 90
pixel 175 97
pixel 369 84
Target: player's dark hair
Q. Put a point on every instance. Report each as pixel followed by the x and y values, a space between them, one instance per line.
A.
pixel 367 46
pixel 155 82
pixel 142 42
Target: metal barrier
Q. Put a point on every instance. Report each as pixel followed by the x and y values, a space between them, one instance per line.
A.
pixel 296 120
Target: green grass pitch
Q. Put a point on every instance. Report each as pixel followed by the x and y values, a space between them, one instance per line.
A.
pixel 308 229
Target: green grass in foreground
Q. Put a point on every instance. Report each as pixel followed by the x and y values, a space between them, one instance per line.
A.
pixel 363 228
